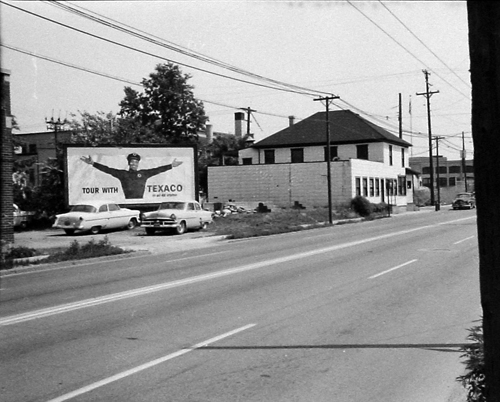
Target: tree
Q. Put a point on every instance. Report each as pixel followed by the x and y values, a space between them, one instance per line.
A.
pixel 92 130
pixel 167 111
pixel 484 48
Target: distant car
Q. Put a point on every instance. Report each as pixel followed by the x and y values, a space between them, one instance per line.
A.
pixel 21 218
pixel 464 200
pixel 178 216
pixel 93 216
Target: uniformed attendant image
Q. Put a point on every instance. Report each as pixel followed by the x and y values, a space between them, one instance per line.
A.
pixel 133 180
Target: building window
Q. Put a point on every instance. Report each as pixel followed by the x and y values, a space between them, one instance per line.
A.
pixel 469 169
pixel 297 155
pixel 443 170
pixel 443 182
pixel 455 169
pixel 377 187
pixel 365 187
pixel 403 157
pixel 453 181
pixel 333 153
pixel 358 186
pixel 372 189
pixel 426 182
pixel 32 148
pixel 362 151
pixel 390 155
pixel 269 156
pixel 402 185
pixel 246 161
pixel 426 170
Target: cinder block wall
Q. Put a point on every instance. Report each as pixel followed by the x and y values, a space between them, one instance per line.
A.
pixel 281 184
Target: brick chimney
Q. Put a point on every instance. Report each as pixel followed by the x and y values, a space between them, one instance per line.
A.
pixel 239 120
pixel 209 132
pixel 7 196
pixel 291 120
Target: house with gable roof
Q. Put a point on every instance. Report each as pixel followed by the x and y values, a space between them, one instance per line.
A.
pixel 289 167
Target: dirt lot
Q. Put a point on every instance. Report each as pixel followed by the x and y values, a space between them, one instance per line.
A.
pixel 135 239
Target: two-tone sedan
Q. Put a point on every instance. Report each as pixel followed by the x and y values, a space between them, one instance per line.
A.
pixel 94 216
pixel 178 216
pixel 464 200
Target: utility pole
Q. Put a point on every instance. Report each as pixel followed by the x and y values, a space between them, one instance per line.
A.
pixel 249 112
pixel 328 100
pixel 464 168
pixel 400 118
pixel 428 95
pixel 438 204
pixel 55 125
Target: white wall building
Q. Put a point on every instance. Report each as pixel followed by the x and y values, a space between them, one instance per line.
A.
pixel 290 167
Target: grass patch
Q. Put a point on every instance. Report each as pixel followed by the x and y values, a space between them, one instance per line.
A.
pixel 75 251
pixel 239 226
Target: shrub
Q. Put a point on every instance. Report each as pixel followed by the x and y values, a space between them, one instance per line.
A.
pixel 361 206
pixel 21 252
pixel 422 197
pixel 473 380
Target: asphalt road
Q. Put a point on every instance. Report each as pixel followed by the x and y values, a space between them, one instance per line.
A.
pixel 374 311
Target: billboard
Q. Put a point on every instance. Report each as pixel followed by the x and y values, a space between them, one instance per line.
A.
pixel 130 174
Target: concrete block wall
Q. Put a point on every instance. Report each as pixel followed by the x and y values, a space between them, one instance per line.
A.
pixel 280 184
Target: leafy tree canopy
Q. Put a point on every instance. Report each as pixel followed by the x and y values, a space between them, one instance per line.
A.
pixel 166 112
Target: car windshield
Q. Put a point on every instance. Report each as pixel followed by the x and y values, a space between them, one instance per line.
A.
pixel 172 205
pixel 83 208
pixel 463 195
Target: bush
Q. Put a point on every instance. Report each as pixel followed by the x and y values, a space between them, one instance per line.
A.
pixel 473 380
pixel 422 197
pixel 20 252
pixel 361 206
pixel 92 249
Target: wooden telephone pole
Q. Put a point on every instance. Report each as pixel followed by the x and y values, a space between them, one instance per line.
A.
pixel 428 95
pixel 328 100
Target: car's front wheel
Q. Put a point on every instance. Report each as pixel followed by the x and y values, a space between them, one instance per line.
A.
pixel 181 228
pixel 132 224
pixel 95 229
pixel 204 226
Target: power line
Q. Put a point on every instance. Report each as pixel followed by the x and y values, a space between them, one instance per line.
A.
pixel 404 47
pixel 168 44
pixel 312 93
pixel 427 47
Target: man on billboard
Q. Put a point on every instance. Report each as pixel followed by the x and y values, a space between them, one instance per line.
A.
pixel 133 180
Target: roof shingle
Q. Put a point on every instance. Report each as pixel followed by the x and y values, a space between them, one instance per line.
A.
pixel 346 127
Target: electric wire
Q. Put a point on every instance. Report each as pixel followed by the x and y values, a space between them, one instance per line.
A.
pixel 168 44
pixel 158 56
pixel 404 48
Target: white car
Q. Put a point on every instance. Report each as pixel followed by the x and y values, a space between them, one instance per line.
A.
pixel 94 216
pixel 176 215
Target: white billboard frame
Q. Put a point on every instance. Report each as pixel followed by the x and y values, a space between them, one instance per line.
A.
pixel 130 175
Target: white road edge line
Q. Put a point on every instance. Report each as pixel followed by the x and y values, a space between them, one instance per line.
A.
pixel 146 366
pixel 467 238
pixel 392 269
pixel 46 312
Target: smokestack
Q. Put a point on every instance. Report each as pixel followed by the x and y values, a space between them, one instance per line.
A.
pixel 291 120
pixel 209 132
pixel 239 118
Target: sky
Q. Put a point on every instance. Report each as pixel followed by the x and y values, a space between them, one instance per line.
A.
pixel 366 53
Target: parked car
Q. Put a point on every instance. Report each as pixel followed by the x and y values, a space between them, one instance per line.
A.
pixel 179 216
pixel 21 218
pixel 464 200
pixel 94 216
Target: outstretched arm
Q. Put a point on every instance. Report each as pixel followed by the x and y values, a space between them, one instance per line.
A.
pixel 176 163
pixel 87 159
